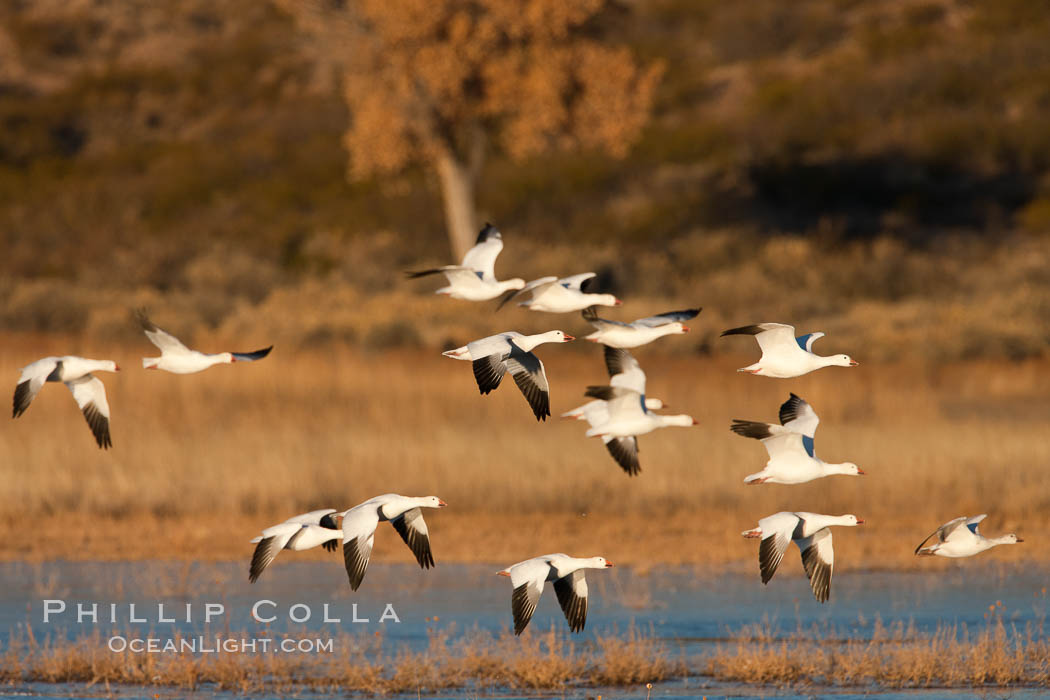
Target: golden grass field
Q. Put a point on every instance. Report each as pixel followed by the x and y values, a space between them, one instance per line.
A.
pixel 201 462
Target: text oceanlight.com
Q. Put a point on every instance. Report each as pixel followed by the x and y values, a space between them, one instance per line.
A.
pixel 219 645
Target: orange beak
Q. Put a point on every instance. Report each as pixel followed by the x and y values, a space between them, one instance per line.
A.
pixel 502 573
pixel 685 329
pixel 569 337
pixel 116 367
pixel 608 564
pixel 853 363
pixel 441 504
pixel 860 521
pixel 619 303
pixel 696 422
pixel 861 471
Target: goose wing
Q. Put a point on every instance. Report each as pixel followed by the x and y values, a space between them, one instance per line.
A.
pixel 806 341
pixel 482 257
pixel 251 356
pixel 453 273
pixel 273 540
pixel 668 317
pixel 778 440
pixel 30 381
pixel 773 338
pixel 165 341
pixel 943 532
pixel 527 578
pixel 572 596
pixel 818 558
pixel 624 370
pixel 413 530
pixel 776 536
pixel 590 315
pixel 625 451
pixel 535 286
pixel 799 416
pixel 529 375
pixel 359 528
pixel 576 281
pixel 90 395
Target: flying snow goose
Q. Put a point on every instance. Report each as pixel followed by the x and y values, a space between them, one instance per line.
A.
pixel 511 352
pixel 960 538
pixel 403 512
pixel 810 532
pixel 567 573
pixel 76 373
pixel 560 295
pixel 792 459
pixel 306 531
pixel 639 332
pixel 626 374
pixel 179 359
pixel 784 355
pixel 474 279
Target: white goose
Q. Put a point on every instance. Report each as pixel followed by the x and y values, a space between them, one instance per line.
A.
pixel 306 531
pixel 960 538
pixel 560 295
pixel 567 573
pixel 475 279
pixel 629 414
pixel 496 355
pixel 403 512
pixel 810 532
pixel 624 373
pixel 179 359
pixel 76 373
pixel 792 459
pixel 784 355
pixel 639 332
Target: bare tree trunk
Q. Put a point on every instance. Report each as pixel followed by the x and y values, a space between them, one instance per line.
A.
pixel 457 190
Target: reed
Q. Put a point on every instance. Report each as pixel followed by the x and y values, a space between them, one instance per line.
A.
pixel 538 661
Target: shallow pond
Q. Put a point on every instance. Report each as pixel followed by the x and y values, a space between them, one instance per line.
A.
pixel 689 609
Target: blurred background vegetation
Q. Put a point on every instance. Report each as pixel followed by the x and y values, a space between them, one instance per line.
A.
pixel 879 169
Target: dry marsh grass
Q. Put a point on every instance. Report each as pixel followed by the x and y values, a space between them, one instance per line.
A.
pixel 537 661
pixel 997 654
pixel 200 463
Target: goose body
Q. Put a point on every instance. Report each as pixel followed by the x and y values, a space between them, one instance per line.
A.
pixel 562 295
pixel 639 332
pixel 624 373
pixel 567 573
pixel 784 355
pixel 179 359
pixel 474 279
pixel 403 512
pixel 494 356
pixel 790 445
pixel 76 373
pixel 318 528
pixel 810 531
pixel 960 538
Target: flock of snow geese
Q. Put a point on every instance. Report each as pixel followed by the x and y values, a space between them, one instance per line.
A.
pixel 618 413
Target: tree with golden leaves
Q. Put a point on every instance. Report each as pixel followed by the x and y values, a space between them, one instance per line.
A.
pixel 441 82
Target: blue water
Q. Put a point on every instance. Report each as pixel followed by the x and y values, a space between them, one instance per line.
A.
pixel 689 608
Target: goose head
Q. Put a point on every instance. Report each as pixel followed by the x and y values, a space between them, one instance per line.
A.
pixel 841 361
pixel 600 563
pixel 431 502
pixel 847 468
pixel 849 520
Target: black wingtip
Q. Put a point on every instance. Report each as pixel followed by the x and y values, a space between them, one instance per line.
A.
pixel 487 231
pixel 507 296
pixel 742 330
pixel 750 428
